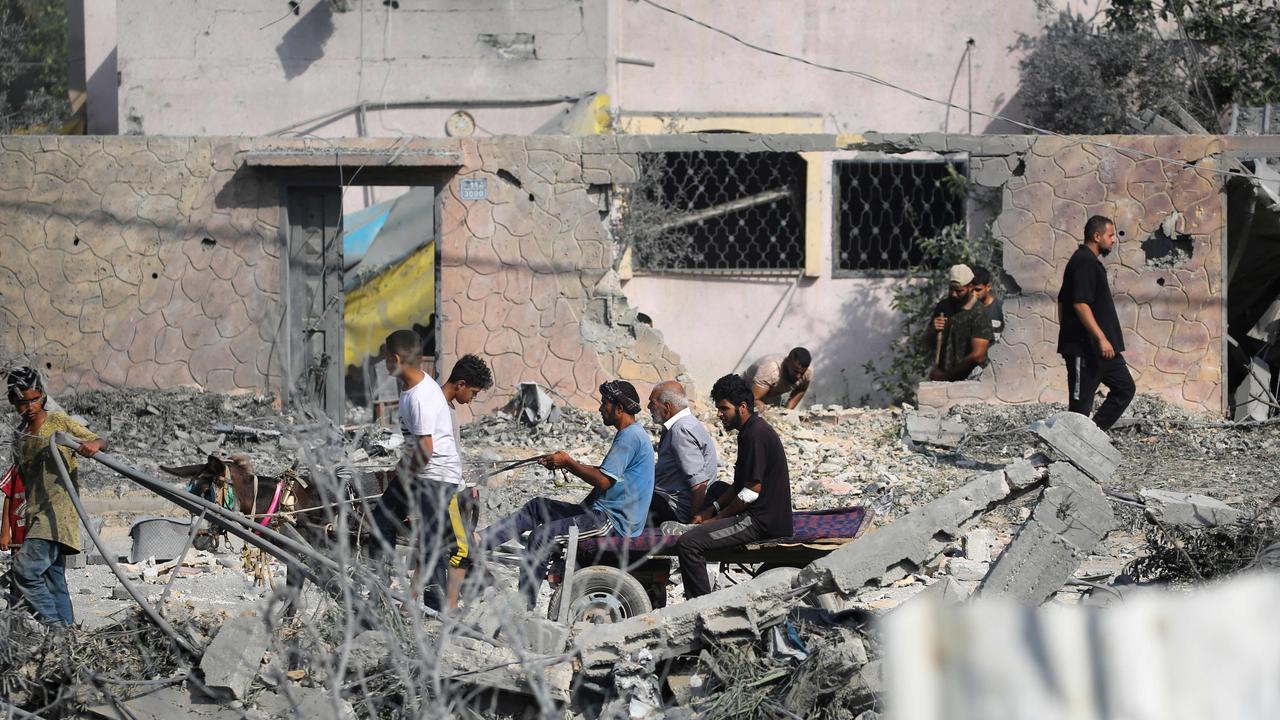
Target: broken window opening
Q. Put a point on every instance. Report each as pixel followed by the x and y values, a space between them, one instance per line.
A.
pixel 1253 292
pixel 715 211
pixel 886 206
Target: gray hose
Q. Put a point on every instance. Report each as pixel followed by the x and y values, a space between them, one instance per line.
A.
pixel 151 612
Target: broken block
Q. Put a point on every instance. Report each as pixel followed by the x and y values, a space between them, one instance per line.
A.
pixel 966 570
pixel 980 544
pixel 1081 442
pixel 941 432
pixel 231 661
pixel 908 543
pixel 1187 509
pixel 1071 517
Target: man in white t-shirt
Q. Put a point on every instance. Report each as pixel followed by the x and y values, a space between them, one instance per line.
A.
pixel 423 488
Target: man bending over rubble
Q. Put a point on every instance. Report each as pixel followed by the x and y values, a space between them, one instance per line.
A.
pixel 620 490
pixel 429 472
pixel 756 506
pixel 53 527
pixel 686 456
pixel 773 376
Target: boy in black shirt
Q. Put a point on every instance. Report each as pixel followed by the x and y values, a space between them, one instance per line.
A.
pixel 756 506
pixel 1089 337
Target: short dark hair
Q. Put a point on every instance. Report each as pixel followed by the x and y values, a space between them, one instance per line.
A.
pixel 981 276
pixel 22 379
pixel 404 343
pixel 1095 225
pixel 801 356
pixel 471 370
pixel 733 389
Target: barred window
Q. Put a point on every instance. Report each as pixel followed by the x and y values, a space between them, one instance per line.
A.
pixel 715 211
pixel 884 207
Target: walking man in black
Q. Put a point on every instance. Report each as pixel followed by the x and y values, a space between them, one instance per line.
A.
pixel 1089 337
pixel 756 506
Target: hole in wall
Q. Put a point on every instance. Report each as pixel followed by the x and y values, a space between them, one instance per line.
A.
pixel 1020 169
pixel 1160 282
pixel 76 241
pixel 506 175
pixel 1165 250
pixel 155 276
pixel 48 366
pixel 208 242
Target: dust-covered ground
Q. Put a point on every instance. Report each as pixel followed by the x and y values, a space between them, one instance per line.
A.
pixel 837 456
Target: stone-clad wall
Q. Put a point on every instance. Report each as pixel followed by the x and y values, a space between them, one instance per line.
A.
pixel 527 279
pixel 138 262
pixel 155 262
pixel 1171 316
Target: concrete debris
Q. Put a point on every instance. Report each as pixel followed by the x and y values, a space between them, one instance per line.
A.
pixel 167 703
pixel 908 543
pixel 470 663
pixel 1071 517
pixel 1187 509
pixel 534 406
pixel 1081 442
pixel 231 661
pixel 980 544
pixel 636 692
pixel 929 430
pixel 741 612
pixel 967 570
pixel 290 701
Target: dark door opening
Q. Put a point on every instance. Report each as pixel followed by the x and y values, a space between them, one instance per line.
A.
pixel 1253 291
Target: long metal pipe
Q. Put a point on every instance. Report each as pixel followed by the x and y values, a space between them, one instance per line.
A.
pixel 269 540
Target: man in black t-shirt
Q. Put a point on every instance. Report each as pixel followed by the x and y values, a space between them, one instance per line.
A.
pixel 1089 337
pixel 756 506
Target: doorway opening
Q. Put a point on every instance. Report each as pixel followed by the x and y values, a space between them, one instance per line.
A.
pixel 1253 291
pixel 363 261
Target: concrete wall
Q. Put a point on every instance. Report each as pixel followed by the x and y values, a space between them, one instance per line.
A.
pixel 191 67
pixel 916 44
pixel 155 262
pixel 227 67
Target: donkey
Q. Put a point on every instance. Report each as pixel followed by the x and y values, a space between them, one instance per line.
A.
pixel 287 502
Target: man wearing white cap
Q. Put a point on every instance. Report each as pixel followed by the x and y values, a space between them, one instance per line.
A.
pixel 961 328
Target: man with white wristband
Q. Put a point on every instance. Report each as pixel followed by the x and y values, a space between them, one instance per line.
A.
pixel 758 504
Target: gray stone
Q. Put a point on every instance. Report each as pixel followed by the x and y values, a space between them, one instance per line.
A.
pixel 1081 441
pixel 740 612
pixel 947 433
pixel 945 590
pixel 294 701
pixel 165 704
pixel 1026 472
pixel 368 652
pixel 980 544
pixel 1070 519
pixel 967 570
pixel 231 661
pixel 533 634
pixel 1187 509
pixel 908 543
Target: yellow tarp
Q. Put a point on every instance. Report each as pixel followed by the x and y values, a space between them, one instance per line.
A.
pixel 402 296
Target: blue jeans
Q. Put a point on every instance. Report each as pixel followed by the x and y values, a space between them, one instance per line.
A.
pixel 41 571
pixel 547 521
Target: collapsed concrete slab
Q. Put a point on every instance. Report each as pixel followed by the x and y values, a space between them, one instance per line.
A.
pixel 471 663
pixel 1187 509
pixel 1082 442
pixel 1072 516
pixel 908 543
pixel 294 701
pixel 231 661
pixel 940 432
pixel 741 612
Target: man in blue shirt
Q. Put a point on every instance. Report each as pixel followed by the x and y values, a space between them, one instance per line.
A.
pixel 621 487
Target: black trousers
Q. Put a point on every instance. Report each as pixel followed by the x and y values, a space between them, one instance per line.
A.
pixel 1085 373
pixel 547 521
pixel 438 542
pixel 712 535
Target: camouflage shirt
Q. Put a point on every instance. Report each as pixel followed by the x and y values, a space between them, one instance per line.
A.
pixel 50 513
pixel 961 328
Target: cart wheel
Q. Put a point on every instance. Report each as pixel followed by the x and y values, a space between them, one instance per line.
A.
pixel 601 595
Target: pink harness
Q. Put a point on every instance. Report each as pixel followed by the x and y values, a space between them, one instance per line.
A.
pixel 275 502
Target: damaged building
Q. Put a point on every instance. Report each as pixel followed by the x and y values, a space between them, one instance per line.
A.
pixel 214 263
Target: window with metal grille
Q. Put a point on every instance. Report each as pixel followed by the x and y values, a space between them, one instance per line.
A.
pixel 715 211
pixel 884 207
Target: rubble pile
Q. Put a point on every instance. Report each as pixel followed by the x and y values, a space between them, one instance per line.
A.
pixel 1028 504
